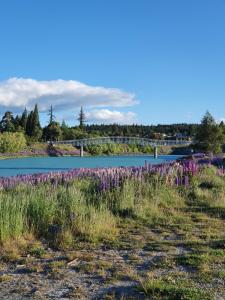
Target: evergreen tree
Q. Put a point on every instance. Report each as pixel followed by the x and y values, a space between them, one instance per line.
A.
pixel 209 136
pixel 33 127
pixel 23 120
pixel 36 127
pixel 52 132
pixel 222 126
pixel 208 119
pixel 64 126
pixel 81 118
pixel 51 115
pixel 36 121
pixel 66 131
pixel 29 124
pixel 16 122
pixel 7 122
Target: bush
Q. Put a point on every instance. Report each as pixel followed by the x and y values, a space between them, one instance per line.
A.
pixel 95 149
pixel 12 141
pixel 112 148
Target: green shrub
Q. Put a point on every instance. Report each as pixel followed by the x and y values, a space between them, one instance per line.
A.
pixel 12 141
pixel 112 148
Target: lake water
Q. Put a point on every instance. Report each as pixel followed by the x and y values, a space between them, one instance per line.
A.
pixel 31 165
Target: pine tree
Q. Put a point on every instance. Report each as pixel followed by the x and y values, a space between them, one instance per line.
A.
pixel 51 115
pixel 36 127
pixel 52 132
pixel 63 125
pixel 208 119
pixel 36 121
pixel 65 131
pixel 29 124
pixel 23 120
pixel 209 135
pixel 81 118
pixel 33 127
pixel 16 123
pixel 7 122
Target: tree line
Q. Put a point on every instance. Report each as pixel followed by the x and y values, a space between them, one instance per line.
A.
pixel 208 135
pixel 29 123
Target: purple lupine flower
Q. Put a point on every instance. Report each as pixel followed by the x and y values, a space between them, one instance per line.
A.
pixel 173 173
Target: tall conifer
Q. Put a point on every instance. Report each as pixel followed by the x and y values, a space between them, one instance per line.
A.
pixel 51 115
pixel 81 118
pixel 23 120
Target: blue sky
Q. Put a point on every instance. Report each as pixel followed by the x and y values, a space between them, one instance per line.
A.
pixel 145 61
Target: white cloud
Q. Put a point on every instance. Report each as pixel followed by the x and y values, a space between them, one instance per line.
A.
pixel 17 93
pixel 221 120
pixel 108 116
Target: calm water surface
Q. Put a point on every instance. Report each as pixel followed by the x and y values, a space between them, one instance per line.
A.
pixel 31 165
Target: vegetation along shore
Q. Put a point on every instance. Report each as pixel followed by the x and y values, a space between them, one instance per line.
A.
pixel 23 136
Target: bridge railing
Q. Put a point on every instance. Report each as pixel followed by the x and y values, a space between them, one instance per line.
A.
pixel 123 140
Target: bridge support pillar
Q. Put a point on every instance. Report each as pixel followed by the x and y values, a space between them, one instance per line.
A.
pixel 81 151
pixel 155 152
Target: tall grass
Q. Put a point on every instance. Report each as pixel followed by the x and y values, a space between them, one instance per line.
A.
pixel 46 211
pixel 208 189
pixel 12 215
pixel 144 200
pixel 77 210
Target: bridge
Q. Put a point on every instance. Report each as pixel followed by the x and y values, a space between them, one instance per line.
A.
pixel 81 143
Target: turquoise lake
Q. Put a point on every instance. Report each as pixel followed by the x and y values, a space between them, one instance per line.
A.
pixel 31 165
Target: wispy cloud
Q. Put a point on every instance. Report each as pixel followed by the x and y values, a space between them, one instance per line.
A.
pixel 221 120
pixel 108 116
pixel 17 93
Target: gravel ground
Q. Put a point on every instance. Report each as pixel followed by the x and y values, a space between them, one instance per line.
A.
pixel 104 271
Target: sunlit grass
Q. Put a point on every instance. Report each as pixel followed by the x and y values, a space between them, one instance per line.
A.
pixel 76 211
